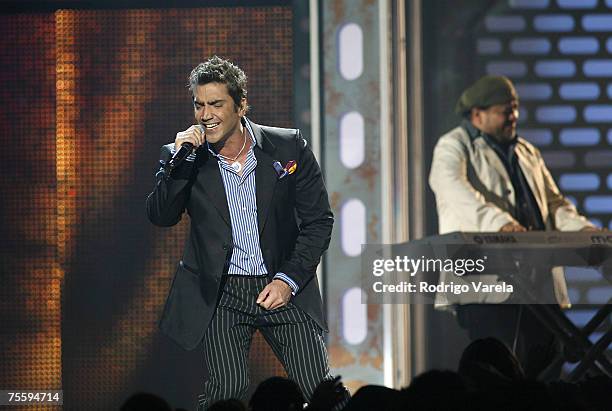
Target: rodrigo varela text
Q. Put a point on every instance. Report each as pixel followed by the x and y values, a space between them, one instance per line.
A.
pixel 412 266
pixel 451 287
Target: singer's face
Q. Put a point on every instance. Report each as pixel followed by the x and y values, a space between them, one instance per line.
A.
pixel 215 110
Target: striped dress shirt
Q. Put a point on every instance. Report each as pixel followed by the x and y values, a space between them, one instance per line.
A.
pixel 240 191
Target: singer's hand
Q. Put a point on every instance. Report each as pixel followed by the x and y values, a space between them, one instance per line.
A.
pixel 275 294
pixel 193 135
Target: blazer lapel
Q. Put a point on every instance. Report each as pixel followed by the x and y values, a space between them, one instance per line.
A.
pixel 211 182
pixel 265 176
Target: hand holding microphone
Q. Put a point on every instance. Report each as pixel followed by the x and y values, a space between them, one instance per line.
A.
pixel 185 142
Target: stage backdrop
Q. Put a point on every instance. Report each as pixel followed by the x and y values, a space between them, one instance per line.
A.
pixel 88 99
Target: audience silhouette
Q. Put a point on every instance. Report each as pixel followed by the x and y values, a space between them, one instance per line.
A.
pixel 488 377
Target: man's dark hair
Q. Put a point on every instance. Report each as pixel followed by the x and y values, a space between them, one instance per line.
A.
pixel 145 401
pixel 277 394
pixel 218 70
pixel 227 405
pixel 484 359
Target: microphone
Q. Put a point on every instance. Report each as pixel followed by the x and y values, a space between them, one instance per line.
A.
pixel 180 155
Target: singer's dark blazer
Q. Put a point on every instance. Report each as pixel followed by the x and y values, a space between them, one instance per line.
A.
pixel 293 214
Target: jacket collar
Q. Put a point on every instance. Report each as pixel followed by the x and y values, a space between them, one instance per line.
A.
pixel 472 131
pixel 261 141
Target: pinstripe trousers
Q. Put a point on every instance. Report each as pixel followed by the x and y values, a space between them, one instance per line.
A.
pixel 294 337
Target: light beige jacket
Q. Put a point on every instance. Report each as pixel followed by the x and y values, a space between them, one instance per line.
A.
pixel 474 193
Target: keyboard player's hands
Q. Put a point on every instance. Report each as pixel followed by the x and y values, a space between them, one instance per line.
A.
pixel 592 228
pixel 512 227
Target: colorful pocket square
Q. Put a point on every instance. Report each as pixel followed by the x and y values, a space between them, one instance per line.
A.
pixel 291 166
pixel 281 171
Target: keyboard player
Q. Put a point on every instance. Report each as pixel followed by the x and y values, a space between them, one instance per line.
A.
pixel 486 178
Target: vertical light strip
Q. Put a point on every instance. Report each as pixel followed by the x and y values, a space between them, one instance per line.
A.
pixel 65 160
pixel 417 207
pixel 386 170
pixel 66 144
pixel 60 268
pixel 315 92
pixel 362 363
pixel 65 149
pixel 315 101
pixel 401 220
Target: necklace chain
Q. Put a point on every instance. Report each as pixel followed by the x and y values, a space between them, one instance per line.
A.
pixel 240 152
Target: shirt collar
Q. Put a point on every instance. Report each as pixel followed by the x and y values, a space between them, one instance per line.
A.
pixel 474 133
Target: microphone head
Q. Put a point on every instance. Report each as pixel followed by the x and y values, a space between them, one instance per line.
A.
pixel 203 129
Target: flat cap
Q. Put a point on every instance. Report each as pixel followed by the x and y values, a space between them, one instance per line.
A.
pixel 485 92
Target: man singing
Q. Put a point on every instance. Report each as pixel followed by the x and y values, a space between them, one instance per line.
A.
pixel 260 220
